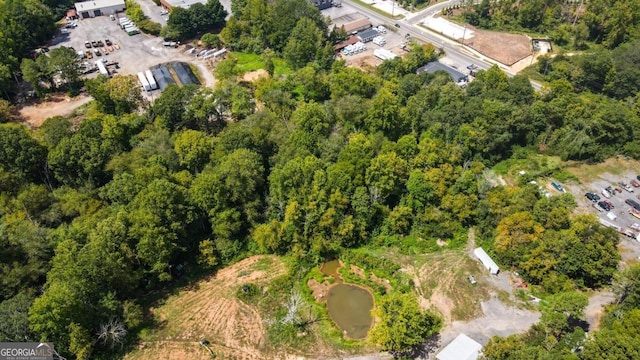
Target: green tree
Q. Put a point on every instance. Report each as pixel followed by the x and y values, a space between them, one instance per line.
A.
pixel 306 44
pixel 193 149
pixel 63 61
pixel 403 325
pixel 21 154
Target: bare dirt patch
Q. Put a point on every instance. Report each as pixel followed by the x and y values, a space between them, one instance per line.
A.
pixel 211 311
pixel 505 48
pixel 595 308
pixel 56 105
pixel 381 281
pixel 255 75
pixel 358 271
pixel 319 291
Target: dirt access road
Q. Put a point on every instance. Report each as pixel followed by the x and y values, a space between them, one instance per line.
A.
pixel 57 105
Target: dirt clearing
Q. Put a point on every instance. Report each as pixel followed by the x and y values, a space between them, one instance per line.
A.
pixel 211 311
pixel 56 105
pixel 502 47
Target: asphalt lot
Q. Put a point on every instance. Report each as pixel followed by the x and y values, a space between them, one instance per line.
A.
pixel 630 247
pixel 152 11
pixel 137 53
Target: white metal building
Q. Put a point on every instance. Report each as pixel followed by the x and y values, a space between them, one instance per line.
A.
pixel 486 260
pixel 461 348
pixel 384 54
pixel 170 4
pixel 93 8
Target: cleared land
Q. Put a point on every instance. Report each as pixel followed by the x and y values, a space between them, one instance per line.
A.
pixel 502 47
pixel 211 311
pixel 56 105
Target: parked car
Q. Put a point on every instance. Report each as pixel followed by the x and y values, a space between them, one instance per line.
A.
pixel 626 186
pixel 94 43
pixel 611 190
pixel 635 226
pixel 472 280
pixel 87 44
pixel 609 203
pixel 604 205
pixel 97 52
pixel 635 183
pixel 638 177
pixel 618 190
pixel 108 42
pixel 557 186
pixel 592 196
pixel 100 43
pixel 606 193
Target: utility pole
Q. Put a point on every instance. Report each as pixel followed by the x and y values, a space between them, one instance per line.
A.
pixel 464 33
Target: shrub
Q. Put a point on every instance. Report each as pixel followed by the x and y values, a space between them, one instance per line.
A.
pixel 149 27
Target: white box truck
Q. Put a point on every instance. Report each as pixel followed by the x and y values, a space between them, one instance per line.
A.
pixel 103 69
pixel 144 82
pixel 152 81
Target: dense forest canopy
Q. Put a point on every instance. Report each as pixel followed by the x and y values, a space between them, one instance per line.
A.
pixel 97 215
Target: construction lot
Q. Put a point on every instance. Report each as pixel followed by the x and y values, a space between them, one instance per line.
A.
pixel 136 53
pixel 393 37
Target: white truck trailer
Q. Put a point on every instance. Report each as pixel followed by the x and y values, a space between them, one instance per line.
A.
pixel 103 69
pixel 152 81
pixel 144 82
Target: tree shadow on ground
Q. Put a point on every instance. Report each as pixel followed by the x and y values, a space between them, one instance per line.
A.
pixel 421 351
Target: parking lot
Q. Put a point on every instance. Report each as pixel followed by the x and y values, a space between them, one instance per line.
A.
pixel 619 217
pixel 137 53
pixel 394 39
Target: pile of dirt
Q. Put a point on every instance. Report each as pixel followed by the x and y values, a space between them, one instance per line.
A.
pixel 212 312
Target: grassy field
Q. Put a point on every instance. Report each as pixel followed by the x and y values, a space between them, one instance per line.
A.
pixel 210 310
pixel 442 280
pixel 252 62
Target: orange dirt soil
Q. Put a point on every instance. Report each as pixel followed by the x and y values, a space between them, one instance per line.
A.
pixel 57 105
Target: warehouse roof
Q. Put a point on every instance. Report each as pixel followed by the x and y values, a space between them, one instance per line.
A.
pixel 434 66
pixel 184 3
pixel 97 4
pixel 461 348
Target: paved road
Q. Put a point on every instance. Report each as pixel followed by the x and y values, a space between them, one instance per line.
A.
pixel 455 52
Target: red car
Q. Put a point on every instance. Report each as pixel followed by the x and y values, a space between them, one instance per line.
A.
pixel 608 203
pixel 635 183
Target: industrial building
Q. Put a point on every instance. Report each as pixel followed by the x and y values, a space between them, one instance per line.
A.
pixel 435 66
pixel 356 25
pixel 368 35
pixel 93 8
pixel 170 4
pixel 461 348
pixel 384 54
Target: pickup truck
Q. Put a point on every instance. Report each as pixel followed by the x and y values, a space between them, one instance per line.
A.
pixel 626 186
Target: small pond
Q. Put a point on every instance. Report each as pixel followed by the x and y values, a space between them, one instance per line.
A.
pixel 330 268
pixel 350 308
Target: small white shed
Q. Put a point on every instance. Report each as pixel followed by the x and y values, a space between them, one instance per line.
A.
pixel 461 348
pixel 486 260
